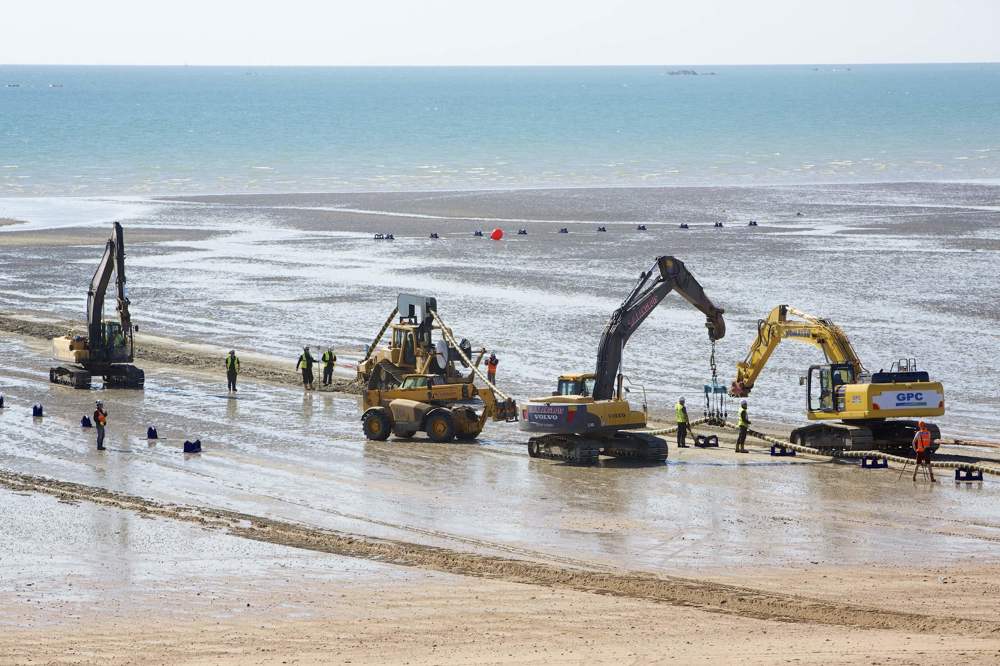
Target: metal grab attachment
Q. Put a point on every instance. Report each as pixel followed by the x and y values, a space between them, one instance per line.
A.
pixel 716 395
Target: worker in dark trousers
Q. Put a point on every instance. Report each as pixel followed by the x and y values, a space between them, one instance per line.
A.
pixel 329 360
pixel 922 446
pixel 232 369
pixel 682 423
pixel 744 423
pixel 306 365
pixel 491 368
pixel 100 421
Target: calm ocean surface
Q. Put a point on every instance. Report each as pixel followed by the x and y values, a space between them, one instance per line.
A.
pixel 119 131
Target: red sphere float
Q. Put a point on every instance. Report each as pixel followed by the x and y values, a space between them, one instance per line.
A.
pixel 496 234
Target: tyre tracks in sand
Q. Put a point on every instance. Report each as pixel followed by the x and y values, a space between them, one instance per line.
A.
pixel 700 594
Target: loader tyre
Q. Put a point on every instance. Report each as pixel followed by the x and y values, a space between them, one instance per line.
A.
pixel 439 426
pixel 376 425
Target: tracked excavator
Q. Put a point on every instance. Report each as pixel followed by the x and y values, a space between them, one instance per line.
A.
pixel 588 415
pixel 875 411
pixel 108 348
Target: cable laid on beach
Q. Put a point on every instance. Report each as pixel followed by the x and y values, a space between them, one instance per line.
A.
pixel 880 455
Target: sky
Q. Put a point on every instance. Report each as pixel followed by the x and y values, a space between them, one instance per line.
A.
pixel 502 32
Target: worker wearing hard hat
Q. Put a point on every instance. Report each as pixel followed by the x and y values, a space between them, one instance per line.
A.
pixel 329 360
pixel 744 423
pixel 922 447
pixel 491 368
pixel 232 369
pixel 100 421
pixel 305 363
pixel 682 423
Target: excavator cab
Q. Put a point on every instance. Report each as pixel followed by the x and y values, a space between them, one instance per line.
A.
pixel 826 382
pixel 576 385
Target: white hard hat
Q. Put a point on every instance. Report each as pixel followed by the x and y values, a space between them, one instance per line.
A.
pixel 743 403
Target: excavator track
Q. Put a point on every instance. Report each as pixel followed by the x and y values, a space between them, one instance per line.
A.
pixel 891 436
pixel 637 446
pixel 569 448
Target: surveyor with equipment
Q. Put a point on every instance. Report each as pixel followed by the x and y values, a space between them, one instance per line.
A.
pixel 587 415
pixel 108 348
pixel 922 447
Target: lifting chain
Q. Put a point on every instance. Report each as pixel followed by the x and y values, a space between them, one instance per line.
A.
pixel 711 364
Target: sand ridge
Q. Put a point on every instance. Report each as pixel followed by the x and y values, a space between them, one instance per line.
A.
pixel 700 594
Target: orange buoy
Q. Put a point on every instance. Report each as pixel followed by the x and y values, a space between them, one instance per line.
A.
pixel 496 234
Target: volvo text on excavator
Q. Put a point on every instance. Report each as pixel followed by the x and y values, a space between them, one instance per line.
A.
pixel 108 348
pixel 876 411
pixel 587 414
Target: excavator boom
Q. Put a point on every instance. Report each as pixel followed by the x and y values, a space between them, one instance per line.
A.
pixel 669 274
pixel 821 333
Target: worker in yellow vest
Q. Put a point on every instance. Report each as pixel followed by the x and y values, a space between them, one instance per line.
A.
pixel 922 447
pixel 744 424
pixel 232 369
pixel 682 423
pixel 329 360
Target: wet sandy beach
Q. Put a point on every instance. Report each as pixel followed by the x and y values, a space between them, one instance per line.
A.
pixel 368 552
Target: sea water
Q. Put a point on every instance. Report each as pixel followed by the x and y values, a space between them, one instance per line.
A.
pixel 162 130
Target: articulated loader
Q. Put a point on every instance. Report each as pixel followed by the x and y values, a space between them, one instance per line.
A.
pixel 427 403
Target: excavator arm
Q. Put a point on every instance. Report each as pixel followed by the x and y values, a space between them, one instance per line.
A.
pixel 113 262
pixel 821 333
pixel 652 288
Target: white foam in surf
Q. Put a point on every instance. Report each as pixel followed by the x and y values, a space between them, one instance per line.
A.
pixel 41 213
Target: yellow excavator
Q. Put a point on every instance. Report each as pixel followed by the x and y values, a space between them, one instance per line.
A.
pixel 587 415
pixel 108 349
pixel 875 411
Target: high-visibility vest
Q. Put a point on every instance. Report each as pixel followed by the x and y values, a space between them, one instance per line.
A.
pixel 744 421
pixel 101 418
pixel 305 362
pixel 492 363
pixel 922 440
pixel 233 363
pixel 681 413
pixel 329 358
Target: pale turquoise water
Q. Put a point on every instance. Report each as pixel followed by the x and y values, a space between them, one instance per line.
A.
pixel 87 131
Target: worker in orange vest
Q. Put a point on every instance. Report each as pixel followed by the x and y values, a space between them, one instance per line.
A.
pixel 491 368
pixel 922 446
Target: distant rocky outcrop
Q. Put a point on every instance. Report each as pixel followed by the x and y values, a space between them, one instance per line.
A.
pixel 688 72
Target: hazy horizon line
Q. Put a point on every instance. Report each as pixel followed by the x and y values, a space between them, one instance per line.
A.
pixel 497 66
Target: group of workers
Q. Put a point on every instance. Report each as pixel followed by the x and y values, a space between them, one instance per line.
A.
pixel 304 364
pixel 922 440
